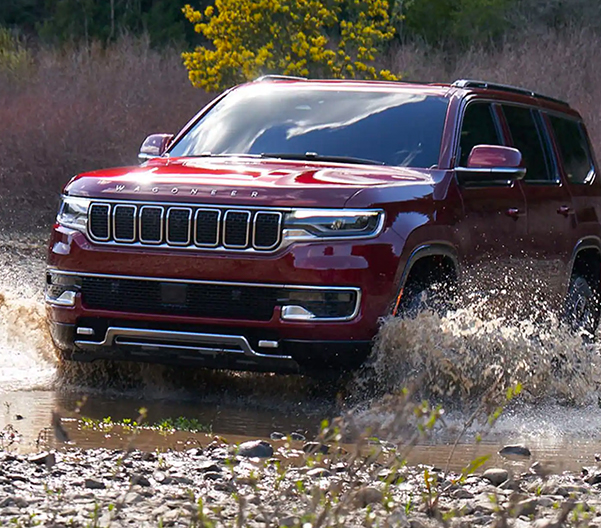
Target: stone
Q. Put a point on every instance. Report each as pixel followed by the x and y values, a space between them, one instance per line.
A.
pixel 526 507
pixel 297 437
pixel 93 484
pixel 209 467
pixel 319 472
pixel 368 495
pixel 213 475
pixel 45 458
pixel 255 449
pixel 496 476
pixel 516 451
pixel 593 479
pixel 312 448
pixel 140 480
pixel 277 436
pixel 462 493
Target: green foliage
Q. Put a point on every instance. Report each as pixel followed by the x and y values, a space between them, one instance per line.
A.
pixel 458 22
pixel 13 55
pixel 317 38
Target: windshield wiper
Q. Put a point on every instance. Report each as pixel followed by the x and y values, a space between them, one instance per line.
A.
pixel 313 156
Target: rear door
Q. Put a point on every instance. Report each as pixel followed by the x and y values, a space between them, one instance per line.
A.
pixel 550 214
pixel 494 226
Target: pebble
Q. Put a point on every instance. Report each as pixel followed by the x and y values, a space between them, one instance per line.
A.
pixel 93 484
pixel 255 449
pixel 496 476
pixel 47 459
pixel 277 436
pixel 319 472
pixel 312 448
pixel 368 495
pixel 298 437
pixel 515 450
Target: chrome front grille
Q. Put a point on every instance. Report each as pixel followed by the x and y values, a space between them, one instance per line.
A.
pixel 185 226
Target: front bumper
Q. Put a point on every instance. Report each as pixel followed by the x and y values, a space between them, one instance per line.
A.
pixel 270 344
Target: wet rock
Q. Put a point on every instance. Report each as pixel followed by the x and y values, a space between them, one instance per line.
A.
pixel 462 493
pixel 213 475
pixel 161 478
pixel 182 480
pixel 209 467
pixel 255 449
pixel 515 451
pixel 312 448
pixel 496 476
pixel 526 507
pixel 297 437
pixel 569 490
pixel 593 479
pixel 319 472
pixel 93 484
pixel 45 458
pixel 140 480
pixel 277 436
pixel 368 495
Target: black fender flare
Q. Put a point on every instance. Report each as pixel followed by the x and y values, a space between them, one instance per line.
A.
pixel 438 248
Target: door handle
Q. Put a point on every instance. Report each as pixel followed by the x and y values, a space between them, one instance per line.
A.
pixel 565 210
pixel 514 212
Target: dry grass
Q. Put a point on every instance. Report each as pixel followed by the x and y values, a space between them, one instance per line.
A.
pixel 82 109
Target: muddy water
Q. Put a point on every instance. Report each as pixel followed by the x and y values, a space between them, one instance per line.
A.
pixel 465 360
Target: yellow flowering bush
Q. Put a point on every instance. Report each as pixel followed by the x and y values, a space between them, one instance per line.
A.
pixel 290 37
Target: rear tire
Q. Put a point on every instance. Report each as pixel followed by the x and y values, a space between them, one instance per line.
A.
pixel 582 309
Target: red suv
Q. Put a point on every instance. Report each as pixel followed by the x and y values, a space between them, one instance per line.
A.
pixel 289 216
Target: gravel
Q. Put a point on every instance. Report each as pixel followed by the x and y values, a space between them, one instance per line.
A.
pixel 217 485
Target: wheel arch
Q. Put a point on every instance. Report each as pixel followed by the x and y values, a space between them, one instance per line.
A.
pixel 586 261
pixel 424 259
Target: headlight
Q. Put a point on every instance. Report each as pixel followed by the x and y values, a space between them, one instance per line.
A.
pixel 332 223
pixel 73 213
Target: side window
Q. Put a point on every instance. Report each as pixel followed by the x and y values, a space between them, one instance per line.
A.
pixel 573 146
pixel 478 128
pixel 527 138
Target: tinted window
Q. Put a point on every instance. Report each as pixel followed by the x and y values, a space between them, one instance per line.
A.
pixel 573 147
pixel 396 128
pixel 527 138
pixel 478 128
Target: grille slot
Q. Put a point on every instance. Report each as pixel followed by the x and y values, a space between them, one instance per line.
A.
pixel 124 223
pixel 99 221
pixel 267 230
pixel 235 229
pixel 151 224
pixel 219 228
pixel 253 303
pixel 178 226
pixel 206 227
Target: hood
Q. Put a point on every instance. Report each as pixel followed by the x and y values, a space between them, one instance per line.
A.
pixel 242 181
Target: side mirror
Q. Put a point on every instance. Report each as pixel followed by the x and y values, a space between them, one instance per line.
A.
pixel 154 146
pixel 491 165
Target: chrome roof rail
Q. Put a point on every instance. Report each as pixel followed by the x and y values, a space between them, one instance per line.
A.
pixel 469 83
pixel 275 77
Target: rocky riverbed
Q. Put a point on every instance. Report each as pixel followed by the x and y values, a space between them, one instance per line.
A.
pixel 260 483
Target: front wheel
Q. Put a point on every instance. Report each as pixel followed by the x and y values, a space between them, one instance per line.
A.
pixel 582 309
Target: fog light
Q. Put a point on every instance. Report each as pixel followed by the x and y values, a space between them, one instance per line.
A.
pixel 319 303
pixel 296 313
pixel 67 298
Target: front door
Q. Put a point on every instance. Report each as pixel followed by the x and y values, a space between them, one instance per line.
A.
pixel 493 229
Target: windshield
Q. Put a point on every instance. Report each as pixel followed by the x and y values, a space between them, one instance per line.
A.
pixel 395 128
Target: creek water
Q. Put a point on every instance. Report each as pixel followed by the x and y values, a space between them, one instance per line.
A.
pixel 465 361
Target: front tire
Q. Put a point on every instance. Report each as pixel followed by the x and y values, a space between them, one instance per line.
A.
pixel 582 309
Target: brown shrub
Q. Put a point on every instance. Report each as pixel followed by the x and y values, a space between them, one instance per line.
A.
pixel 82 109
